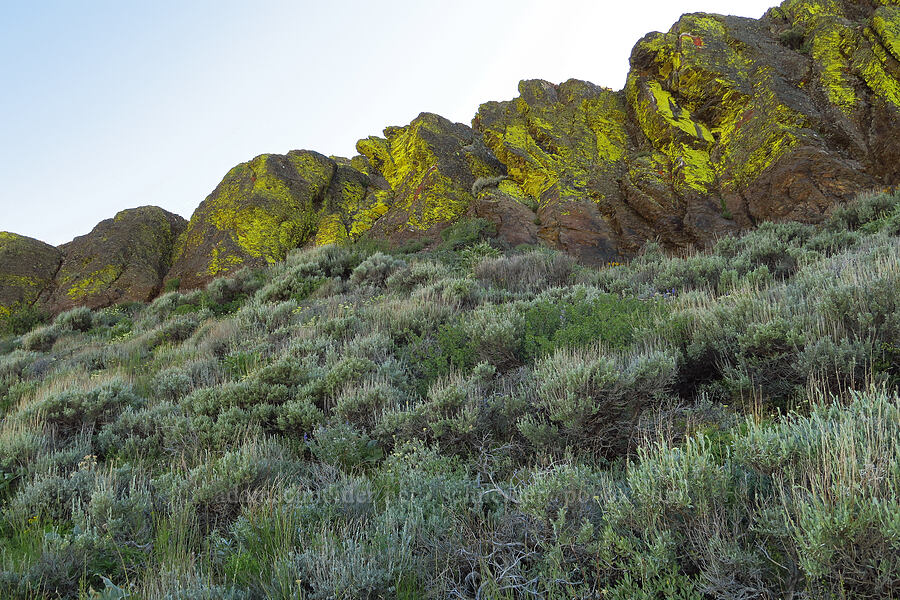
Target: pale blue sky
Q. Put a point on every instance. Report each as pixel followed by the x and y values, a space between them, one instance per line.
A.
pixel 107 105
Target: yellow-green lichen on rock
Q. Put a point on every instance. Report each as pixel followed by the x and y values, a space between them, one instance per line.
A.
pixel 27 268
pixel 353 203
pixel 715 109
pixel 79 286
pixel 261 210
pixel 557 142
pixel 879 62
pixel 723 122
pixel 221 263
pixel 281 214
pixel 124 258
pixel 886 23
pixel 672 131
pixel 429 166
pixel 844 49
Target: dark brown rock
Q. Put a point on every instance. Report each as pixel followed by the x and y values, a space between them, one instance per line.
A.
pixel 27 269
pixel 122 259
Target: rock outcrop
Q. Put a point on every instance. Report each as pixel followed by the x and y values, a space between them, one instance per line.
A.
pixel 410 183
pixel 121 259
pixel 27 269
pixel 259 211
pixel 724 122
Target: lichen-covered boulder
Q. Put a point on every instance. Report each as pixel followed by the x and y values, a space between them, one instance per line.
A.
pixel 122 259
pixel 430 167
pixel 27 269
pixel 274 203
pixel 356 198
pixel 260 210
pixel 774 117
pixel 724 122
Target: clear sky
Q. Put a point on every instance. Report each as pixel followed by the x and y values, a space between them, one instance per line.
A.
pixel 107 104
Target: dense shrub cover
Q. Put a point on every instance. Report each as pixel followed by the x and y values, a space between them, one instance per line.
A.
pixel 471 422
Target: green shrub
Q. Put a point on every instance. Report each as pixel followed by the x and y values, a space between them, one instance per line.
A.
pixel 580 317
pixel 241 364
pixel 171 384
pixel 488 334
pixel 21 320
pixel 41 339
pixel 51 495
pixel 175 330
pixel 416 273
pixel 72 410
pixel 529 272
pixel 68 563
pixel 172 285
pixel 235 288
pixel 168 305
pixel 376 269
pixel 218 489
pixel 466 232
pixel 348 370
pixel 16 364
pixel 344 446
pixel 77 319
pixel 453 292
pixel 362 404
pixel 146 434
pixel 864 210
pixel 594 398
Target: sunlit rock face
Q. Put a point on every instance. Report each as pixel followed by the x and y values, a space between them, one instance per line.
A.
pixel 409 184
pixel 724 122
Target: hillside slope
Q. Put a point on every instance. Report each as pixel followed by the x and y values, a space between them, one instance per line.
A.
pixel 467 422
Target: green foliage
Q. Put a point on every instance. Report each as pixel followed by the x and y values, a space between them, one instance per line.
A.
pixel 529 272
pixel 241 364
pixel 795 39
pixel 579 318
pixel 470 422
pixel 71 410
pixel 41 339
pixel 466 232
pixel 344 446
pixel 77 319
pixel 592 398
pixel 147 434
pixel 376 269
pixel 172 285
pixel 22 320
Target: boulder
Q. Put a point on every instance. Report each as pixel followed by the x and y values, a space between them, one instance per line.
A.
pixel 122 259
pixel 27 269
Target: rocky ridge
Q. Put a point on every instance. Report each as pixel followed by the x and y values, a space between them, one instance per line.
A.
pixel 724 122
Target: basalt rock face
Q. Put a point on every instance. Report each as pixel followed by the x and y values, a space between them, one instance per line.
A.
pixel 431 167
pixel 409 184
pixel 724 122
pixel 260 210
pixel 773 117
pixel 122 259
pixel 27 269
